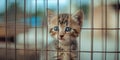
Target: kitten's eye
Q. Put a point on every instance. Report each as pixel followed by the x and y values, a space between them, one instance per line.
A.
pixel 56 28
pixel 68 29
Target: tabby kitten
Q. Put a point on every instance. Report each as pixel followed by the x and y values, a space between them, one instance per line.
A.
pixel 65 29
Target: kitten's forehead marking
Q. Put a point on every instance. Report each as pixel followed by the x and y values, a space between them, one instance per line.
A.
pixel 63 19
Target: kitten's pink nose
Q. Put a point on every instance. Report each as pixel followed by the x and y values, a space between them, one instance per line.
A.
pixel 61 36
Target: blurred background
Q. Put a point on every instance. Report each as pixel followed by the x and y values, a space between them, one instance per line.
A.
pixel 24 36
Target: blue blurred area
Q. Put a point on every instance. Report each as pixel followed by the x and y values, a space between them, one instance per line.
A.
pixel 78 2
pixel 31 4
pixel 33 21
pixel 41 5
pixel 3 4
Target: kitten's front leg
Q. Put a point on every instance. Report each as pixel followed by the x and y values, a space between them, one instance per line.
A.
pixel 66 56
pixel 74 55
pixel 69 56
pixel 58 55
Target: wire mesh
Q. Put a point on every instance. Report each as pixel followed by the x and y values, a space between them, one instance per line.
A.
pixel 24 39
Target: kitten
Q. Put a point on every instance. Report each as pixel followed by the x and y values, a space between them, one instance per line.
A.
pixel 65 29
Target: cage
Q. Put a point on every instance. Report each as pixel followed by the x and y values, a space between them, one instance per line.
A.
pixel 24 33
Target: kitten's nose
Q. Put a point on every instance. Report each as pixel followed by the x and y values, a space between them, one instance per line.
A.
pixel 61 36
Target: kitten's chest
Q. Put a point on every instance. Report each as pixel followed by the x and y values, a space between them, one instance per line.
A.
pixel 71 46
pixel 65 51
pixel 62 52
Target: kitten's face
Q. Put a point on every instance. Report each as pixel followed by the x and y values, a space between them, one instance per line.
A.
pixel 65 27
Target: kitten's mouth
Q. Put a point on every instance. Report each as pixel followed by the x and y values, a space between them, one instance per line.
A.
pixel 61 39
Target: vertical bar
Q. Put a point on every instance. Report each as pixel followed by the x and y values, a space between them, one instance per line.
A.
pixel 58 24
pixel 24 29
pixel 36 28
pixel 47 33
pixel 117 29
pixel 102 35
pixel 30 15
pixel 70 32
pixel 43 23
pixel 6 28
pixel 80 38
pixel 105 29
pixel 15 27
pixel 92 29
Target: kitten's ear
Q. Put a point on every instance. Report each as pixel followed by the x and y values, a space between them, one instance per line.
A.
pixel 50 13
pixel 79 15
